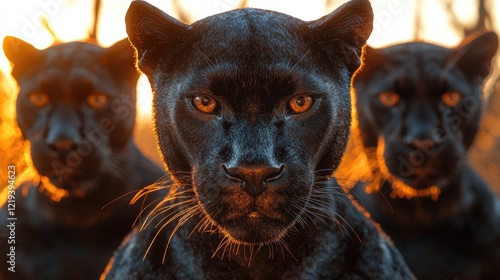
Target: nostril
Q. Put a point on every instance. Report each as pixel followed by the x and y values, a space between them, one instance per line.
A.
pixel 274 173
pixel 63 145
pixel 425 145
pixel 253 178
pixel 232 173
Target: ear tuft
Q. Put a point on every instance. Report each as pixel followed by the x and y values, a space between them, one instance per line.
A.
pixel 475 53
pixel 148 28
pixel 346 31
pixel 21 54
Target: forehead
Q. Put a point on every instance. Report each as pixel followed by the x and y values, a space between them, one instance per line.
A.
pixel 67 67
pixel 72 55
pixel 239 80
pixel 251 36
pixel 417 61
pixel 414 68
pixel 251 56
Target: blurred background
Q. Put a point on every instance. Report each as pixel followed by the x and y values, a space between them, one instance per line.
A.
pixel 46 22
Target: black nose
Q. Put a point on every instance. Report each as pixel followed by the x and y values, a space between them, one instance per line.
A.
pixel 63 145
pixel 63 142
pixel 254 179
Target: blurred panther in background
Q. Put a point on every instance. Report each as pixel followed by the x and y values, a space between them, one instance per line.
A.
pixel 76 107
pixel 418 107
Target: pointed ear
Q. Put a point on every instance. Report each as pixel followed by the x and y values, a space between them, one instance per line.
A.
pixel 344 31
pixel 21 54
pixel 372 56
pixel 371 59
pixel 120 59
pixel 150 30
pixel 474 55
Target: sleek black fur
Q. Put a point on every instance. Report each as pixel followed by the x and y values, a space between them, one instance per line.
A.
pixel 252 115
pixel 76 107
pixel 419 107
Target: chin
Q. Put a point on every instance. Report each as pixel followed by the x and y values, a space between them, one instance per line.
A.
pixel 75 185
pixel 255 231
pixel 404 188
pixel 254 227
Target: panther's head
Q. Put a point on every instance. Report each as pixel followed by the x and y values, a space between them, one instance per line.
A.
pixel 251 107
pixel 419 107
pixel 76 107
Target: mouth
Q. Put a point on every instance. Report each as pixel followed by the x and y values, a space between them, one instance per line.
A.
pixel 422 179
pixel 264 220
pixel 67 181
pixel 247 218
pixel 57 188
pixel 422 182
pixel 67 175
pixel 72 180
pixel 254 228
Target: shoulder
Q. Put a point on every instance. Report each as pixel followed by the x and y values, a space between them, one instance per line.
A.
pixel 130 262
pixel 377 256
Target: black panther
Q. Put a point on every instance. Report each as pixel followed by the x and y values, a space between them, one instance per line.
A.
pixel 252 116
pixel 76 109
pixel 419 106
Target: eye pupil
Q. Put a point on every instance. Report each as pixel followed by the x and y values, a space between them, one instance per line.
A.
pixel 97 100
pixel 451 99
pixel 205 104
pixel 300 104
pixel 38 99
pixel 205 101
pixel 300 101
pixel 389 98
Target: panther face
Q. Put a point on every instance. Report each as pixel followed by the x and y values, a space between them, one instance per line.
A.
pixel 419 107
pixel 241 119
pixel 76 107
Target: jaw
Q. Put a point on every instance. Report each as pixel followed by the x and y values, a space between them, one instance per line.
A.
pixel 243 218
pixel 251 231
pixel 263 220
pixel 75 185
pixel 72 172
pixel 415 185
pixel 60 181
pixel 255 227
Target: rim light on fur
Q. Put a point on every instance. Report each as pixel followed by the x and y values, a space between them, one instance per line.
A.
pixel 399 188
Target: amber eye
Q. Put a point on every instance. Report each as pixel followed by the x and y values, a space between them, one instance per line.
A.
pixel 389 98
pixel 38 99
pixel 451 98
pixel 97 100
pixel 300 103
pixel 205 103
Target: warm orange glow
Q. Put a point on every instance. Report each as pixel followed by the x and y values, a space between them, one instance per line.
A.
pixel 54 193
pixel 10 138
pixel 399 188
pixel 144 98
pixel 26 172
pixel 359 163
